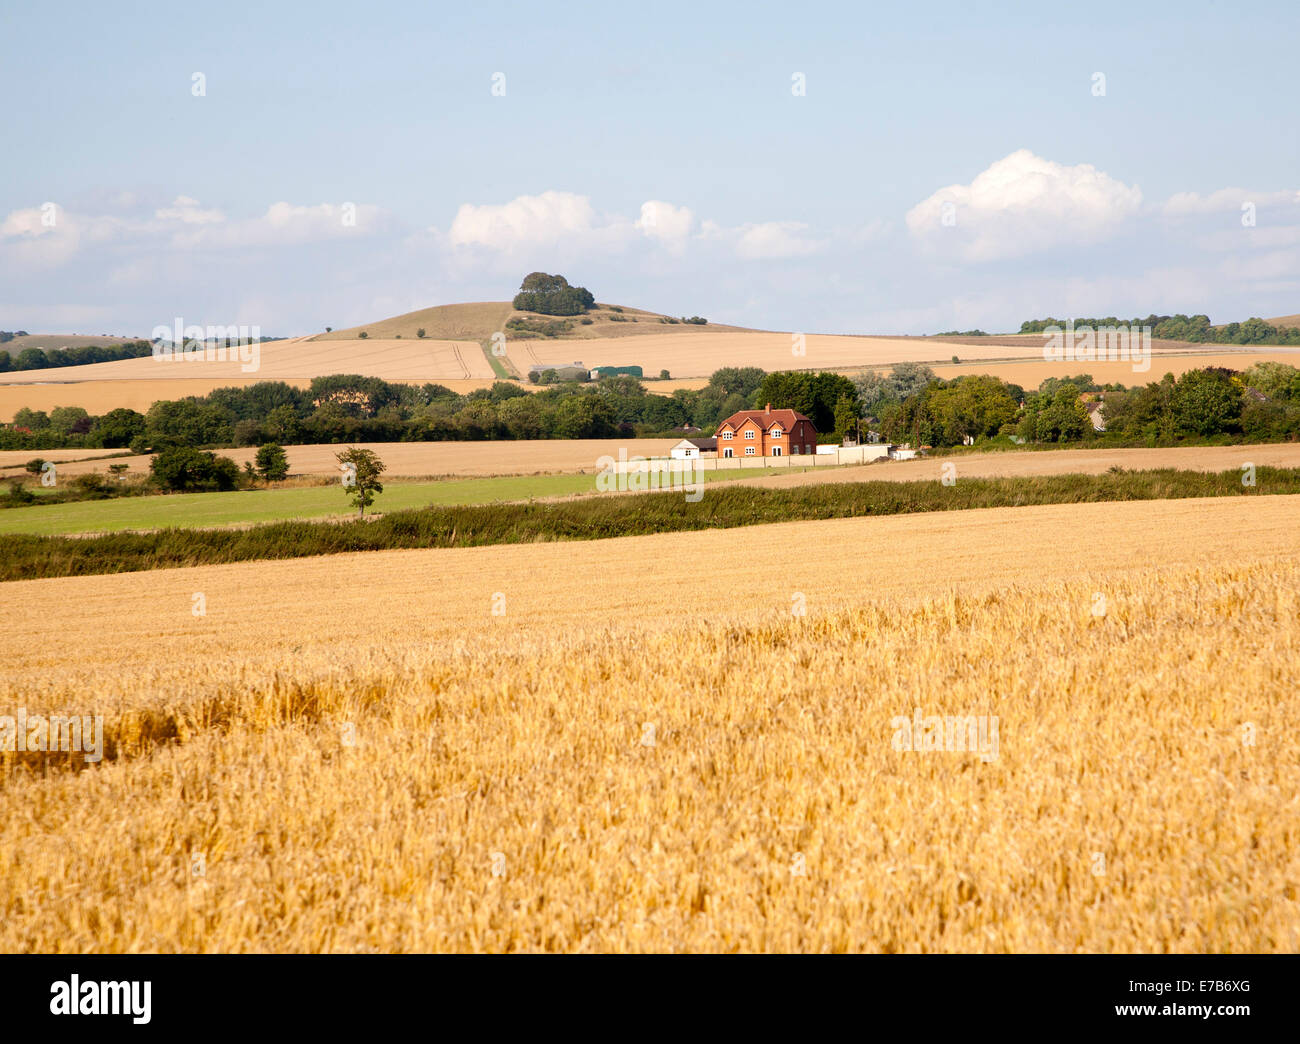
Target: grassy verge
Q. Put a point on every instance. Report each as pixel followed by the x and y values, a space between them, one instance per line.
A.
pixel 594 518
pixel 498 365
pixel 242 507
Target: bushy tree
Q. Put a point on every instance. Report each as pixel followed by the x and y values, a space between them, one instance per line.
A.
pixel 117 428
pixel 183 469
pixel 361 469
pixel 67 420
pixel 1208 402
pixel 1274 379
pixel 272 463
pixel 34 420
pixel 812 394
pixel 188 422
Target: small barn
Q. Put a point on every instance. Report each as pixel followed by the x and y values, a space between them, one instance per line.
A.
pixel 694 449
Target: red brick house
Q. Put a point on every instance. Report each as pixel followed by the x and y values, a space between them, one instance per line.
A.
pixel 766 433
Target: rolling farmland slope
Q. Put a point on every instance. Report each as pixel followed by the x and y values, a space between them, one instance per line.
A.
pixel 611 762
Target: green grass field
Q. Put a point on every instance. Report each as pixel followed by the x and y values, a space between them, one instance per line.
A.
pixel 275 505
pixel 498 367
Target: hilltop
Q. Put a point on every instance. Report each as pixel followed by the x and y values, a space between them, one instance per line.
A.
pixel 479 320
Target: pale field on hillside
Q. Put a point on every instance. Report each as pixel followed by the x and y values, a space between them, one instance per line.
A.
pixel 294 359
pixel 547 456
pixel 699 354
pixel 98 397
pixel 649 751
pixel 17 458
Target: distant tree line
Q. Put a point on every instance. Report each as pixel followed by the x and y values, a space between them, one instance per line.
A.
pixel 8 335
pixel 43 358
pixel 343 408
pixel 1195 328
pixel 906 404
pixel 1261 404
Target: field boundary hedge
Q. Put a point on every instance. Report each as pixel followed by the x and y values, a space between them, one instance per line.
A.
pixel 27 557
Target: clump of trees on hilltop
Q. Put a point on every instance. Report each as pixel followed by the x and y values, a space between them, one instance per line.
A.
pixel 552 295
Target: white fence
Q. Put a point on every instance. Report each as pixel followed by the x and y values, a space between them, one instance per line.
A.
pixel 666 465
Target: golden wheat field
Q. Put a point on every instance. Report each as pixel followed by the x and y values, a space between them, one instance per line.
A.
pixel 645 747
pixel 296 359
pixel 699 354
pixel 402 459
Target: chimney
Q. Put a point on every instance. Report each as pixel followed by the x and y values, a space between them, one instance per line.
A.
pixel 769 407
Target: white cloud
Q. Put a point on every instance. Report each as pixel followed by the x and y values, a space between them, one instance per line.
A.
pixel 1182 204
pixel 665 222
pixel 188 212
pixel 563 219
pixel 38 237
pixel 524 221
pixel 775 239
pixel 1021 204
pixel 283 224
pixel 27 223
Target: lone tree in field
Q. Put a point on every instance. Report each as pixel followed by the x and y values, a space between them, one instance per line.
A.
pixel 361 470
pixel 272 462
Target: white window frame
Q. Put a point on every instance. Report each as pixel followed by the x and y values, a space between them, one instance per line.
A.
pixel 749 434
pixel 749 451
pixel 776 433
pixel 727 434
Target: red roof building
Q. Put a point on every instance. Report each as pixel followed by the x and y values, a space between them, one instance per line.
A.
pixel 766 433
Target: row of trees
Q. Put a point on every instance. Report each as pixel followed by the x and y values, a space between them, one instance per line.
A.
pixel 1180 327
pixel 908 404
pixel 343 408
pixel 1261 404
pixel 44 359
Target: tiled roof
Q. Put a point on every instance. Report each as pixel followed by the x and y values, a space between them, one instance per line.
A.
pixel 787 419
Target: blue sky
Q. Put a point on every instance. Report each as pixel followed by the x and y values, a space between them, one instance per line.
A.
pixel 948 165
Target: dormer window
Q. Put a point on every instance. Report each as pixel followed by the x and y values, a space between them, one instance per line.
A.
pixel 727 434
pixel 776 433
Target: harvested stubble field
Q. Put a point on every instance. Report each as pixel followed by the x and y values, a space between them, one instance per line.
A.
pixel 699 354
pixel 548 456
pixel 1031 463
pixel 295 359
pixel 99 396
pixel 412 459
pixel 632 757
pixel 10 459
